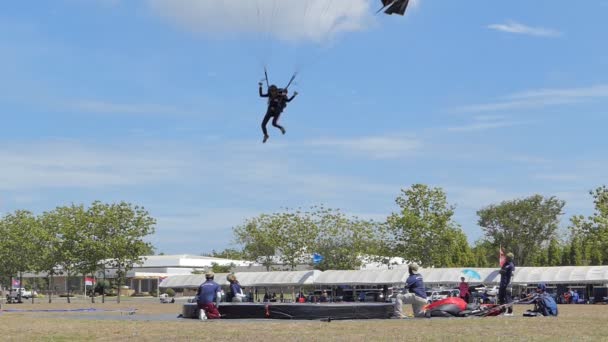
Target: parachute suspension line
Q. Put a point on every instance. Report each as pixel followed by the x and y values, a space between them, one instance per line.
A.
pixel 260 35
pixel 325 36
pixel 266 76
pixel 293 77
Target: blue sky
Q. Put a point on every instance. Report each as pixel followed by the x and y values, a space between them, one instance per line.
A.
pixel 155 102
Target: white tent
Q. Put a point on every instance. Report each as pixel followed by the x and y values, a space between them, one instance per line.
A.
pixel 191 281
pixel 362 277
pixel 288 278
pixel 285 278
pixel 435 276
pixel 561 275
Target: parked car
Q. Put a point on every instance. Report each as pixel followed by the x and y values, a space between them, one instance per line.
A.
pixel 433 296
pixel 26 294
pixel 491 291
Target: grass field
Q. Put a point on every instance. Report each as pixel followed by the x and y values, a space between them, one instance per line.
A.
pixel 575 323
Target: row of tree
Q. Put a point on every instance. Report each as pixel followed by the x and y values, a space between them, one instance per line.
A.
pixel 423 230
pixel 75 240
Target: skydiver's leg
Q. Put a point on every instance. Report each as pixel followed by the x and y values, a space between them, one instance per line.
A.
pixel 275 123
pixel 264 123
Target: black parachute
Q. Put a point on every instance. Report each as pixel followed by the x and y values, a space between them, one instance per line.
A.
pixel 394 6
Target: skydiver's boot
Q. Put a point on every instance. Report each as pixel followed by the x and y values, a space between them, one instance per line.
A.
pixel 265 138
pixel 282 130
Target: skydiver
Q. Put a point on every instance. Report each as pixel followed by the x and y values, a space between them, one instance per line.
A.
pixel 277 101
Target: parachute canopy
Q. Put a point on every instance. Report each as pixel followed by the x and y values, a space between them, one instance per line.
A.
pixel 395 6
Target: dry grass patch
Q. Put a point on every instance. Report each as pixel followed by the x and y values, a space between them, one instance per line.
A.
pixel 575 323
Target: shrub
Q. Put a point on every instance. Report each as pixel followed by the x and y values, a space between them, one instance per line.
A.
pixel 170 292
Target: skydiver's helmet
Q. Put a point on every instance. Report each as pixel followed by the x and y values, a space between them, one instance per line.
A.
pixel 273 89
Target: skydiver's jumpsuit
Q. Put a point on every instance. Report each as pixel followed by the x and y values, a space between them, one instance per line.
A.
pixel 276 105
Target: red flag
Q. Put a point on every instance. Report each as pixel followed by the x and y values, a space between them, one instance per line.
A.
pixel 89 281
pixel 501 257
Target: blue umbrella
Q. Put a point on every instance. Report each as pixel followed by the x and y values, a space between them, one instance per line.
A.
pixel 471 273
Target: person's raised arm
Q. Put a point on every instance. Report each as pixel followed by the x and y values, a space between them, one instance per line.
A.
pixel 260 89
pixel 292 96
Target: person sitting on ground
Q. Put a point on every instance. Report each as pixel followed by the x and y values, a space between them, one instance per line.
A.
pixel 544 303
pixel 208 297
pixel 416 296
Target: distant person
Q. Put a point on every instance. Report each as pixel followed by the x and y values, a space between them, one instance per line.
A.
pixel 575 297
pixel 464 290
pixel 504 293
pixel 416 296
pixel 208 297
pixel 236 291
pixel 324 298
pixel 544 303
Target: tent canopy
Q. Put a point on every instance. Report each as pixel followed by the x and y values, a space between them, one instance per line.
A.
pixel 432 276
pixel 362 277
pixel 290 278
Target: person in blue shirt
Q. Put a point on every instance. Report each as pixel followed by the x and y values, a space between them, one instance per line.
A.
pixel 208 294
pixel 236 294
pixel 506 273
pixel 416 294
pixel 544 302
pixel 575 297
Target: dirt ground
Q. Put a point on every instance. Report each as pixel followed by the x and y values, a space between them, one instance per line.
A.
pixel 153 321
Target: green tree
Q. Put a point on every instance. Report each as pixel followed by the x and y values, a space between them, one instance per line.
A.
pixel 576 252
pixel 50 253
pixel 125 228
pixel 522 226
pixel 229 253
pixel 18 234
pixel 593 230
pixel 344 242
pixel 296 235
pixel 259 238
pixel 217 268
pixel 554 255
pixel 423 228
pixel 482 254
pixel 70 222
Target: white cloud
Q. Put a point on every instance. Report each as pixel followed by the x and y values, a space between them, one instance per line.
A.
pixel 290 20
pixel 518 28
pixel 482 123
pixel 541 98
pixel 105 107
pixel 558 177
pixel 375 147
pixel 70 164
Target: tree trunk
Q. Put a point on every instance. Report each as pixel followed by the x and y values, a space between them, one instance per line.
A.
pixel 67 285
pixel 103 289
pixel 119 273
pixel 34 289
pixel 50 284
pixel 20 286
